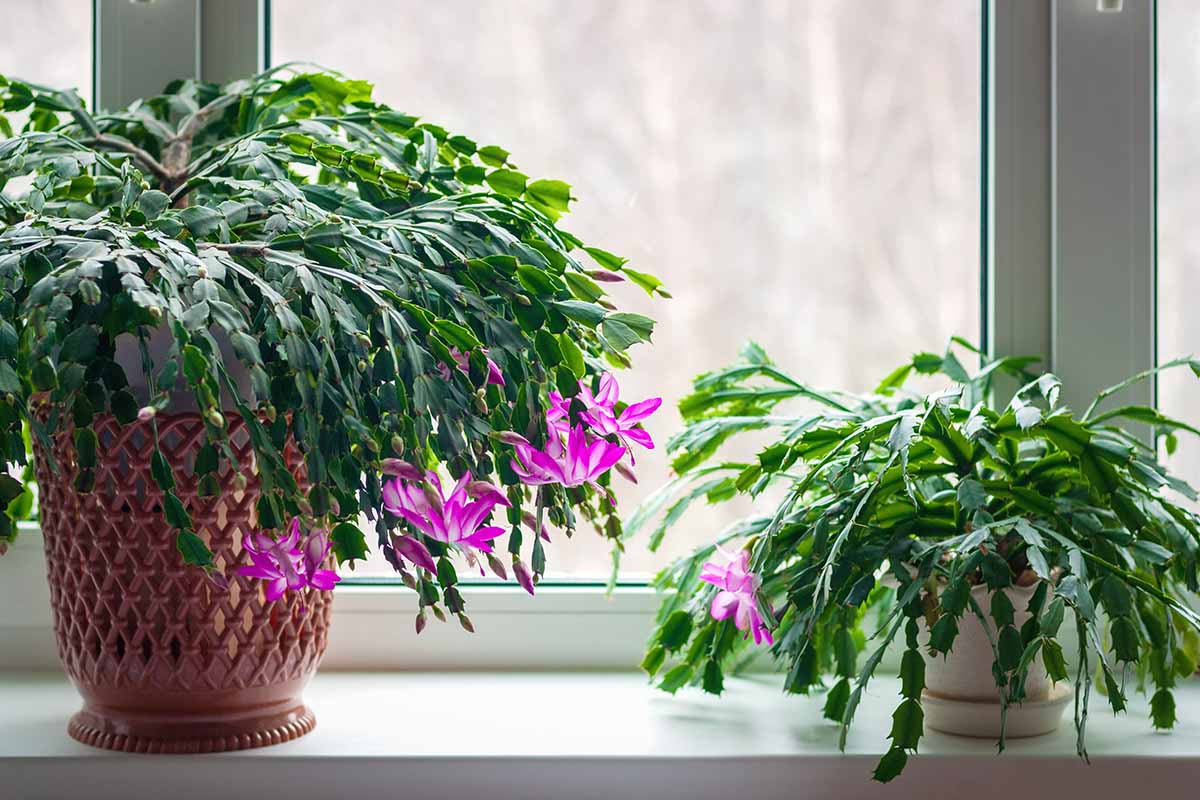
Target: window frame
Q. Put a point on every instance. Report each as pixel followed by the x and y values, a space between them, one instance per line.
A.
pixel 1053 283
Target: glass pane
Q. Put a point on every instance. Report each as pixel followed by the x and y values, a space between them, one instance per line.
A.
pixel 1178 206
pixel 805 175
pixel 48 42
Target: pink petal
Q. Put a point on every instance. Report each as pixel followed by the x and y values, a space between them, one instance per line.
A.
pixel 639 411
pixel 275 590
pixel 724 605
pixel 638 436
pixel 609 392
pixel 323 579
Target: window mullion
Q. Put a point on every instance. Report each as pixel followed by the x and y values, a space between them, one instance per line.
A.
pixel 1103 179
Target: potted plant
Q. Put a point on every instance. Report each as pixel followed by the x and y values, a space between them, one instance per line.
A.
pixel 984 541
pixel 239 320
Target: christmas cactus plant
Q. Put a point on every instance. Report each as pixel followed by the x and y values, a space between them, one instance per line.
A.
pixel 402 300
pixel 895 505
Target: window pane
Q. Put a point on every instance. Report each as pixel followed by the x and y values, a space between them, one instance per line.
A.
pixel 805 175
pixel 1178 206
pixel 48 42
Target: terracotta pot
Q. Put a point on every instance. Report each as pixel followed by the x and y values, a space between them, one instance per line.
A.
pixel 960 693
pixel 165 660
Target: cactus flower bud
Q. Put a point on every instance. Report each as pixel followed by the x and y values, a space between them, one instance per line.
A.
pixel 465 621
pixel 219 580
pixel 155 313
pixel 437 612
pixel 605 276
pixel 497 567
pixel 147 413
pixel 401 469
pixel 397 444
pixel 202 271
pixel 215 418
pixel 626 473
pixel 511 437
pixel 524 576
pixel 422 621
pixel 239 481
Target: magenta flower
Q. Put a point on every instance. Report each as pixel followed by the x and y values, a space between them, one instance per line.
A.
pixel 453 518
pixel 463 361
pixel 285 565
pixel 738 595
pixel 316 548
pixel 578 463
pixel 600 413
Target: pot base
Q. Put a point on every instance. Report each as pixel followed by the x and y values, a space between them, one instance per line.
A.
pixel 982 719
pixel 181 735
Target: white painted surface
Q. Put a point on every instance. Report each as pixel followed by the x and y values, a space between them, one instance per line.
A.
pixel 585 735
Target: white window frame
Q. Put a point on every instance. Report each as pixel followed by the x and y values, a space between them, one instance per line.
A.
pixel 1068 241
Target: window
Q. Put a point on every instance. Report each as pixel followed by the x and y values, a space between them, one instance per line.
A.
pixel 49 42
pixel 802 174
pixel 1178 205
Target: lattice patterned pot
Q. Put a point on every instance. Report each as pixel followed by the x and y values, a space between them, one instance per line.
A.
pixel 167 662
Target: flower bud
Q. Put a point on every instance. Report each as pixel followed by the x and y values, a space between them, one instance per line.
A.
pixel 239 481
pixel 270 413
pixel 605 304
pixel 422 621
pixel 219 580
pixel 147 413
pixel 480 402
pixel 30 215
pixel 397 444
pixel 510 437
pixel 335 508
pixel 497 567
pixel 465 621
pixel 155 313
pixel 626 473
pixel 144 185
pixel 437 612
pixel 522 300
pixel 3 547
pixel 524 576
pixel 215 418
pixel 408 580
pixel 401 469
pixel 304 506
pixel 202 271
pixel 605 276
pixel 372 445
pixel 531 522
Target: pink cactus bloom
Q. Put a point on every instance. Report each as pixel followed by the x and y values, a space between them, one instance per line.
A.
pixel 600 413
pixel 578 463
pixel 737 598
pixel 315 549
pixel 452 518
pixel 463 361
pixel 285 565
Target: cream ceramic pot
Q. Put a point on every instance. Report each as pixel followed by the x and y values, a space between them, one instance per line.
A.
pixel 965 673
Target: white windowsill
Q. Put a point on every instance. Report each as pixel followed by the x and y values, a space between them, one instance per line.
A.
pixel 585 735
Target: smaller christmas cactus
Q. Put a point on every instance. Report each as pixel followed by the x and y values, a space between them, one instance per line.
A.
pixel 397 302
pixel 896 505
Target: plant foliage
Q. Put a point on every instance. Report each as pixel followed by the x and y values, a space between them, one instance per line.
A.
pixel 896 504
pixel 345 252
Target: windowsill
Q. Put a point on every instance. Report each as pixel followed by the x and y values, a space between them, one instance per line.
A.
pixel 559 735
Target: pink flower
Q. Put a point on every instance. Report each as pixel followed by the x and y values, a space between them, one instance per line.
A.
pixel 452 518
pixel 285 565
pixel 738 595
pixel 316 548
pixel 578 463
pixel 600 414
pixel 463 361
